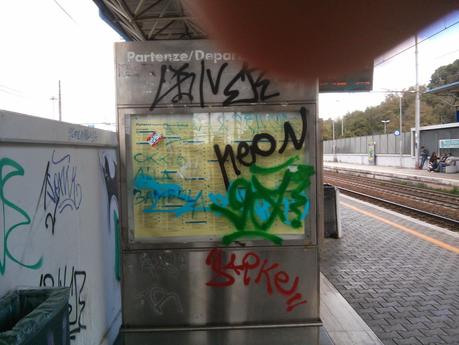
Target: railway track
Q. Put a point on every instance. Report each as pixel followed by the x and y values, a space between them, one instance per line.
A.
pixel 435 207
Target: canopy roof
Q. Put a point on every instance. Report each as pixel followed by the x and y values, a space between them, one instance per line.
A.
pixel 448 88
pixel 148 20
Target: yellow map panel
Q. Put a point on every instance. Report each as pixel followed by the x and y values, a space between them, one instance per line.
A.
pixel 176 175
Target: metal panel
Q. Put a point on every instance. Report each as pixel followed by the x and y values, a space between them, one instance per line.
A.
pixel 259 336
pixel 407 143
pixel 221 286
pixel 196 74
pixel 189 284
pixel 392 143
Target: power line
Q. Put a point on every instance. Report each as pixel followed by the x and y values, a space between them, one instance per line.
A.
pixel 425 39
pixel 63 10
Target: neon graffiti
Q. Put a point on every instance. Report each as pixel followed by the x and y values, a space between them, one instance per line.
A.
pixel 156 191
pixel 6 164
pixel 250 202
pixel 246 153
pixel 254 270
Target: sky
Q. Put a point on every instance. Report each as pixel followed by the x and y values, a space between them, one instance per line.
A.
pixel 66 40
pixel 398 72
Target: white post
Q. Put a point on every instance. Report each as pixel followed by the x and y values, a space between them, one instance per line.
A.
pixel 60 102
pixel 417 115
pixel 334 145
pixel 401 133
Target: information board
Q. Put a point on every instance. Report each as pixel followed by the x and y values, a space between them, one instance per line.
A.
pixel 227 175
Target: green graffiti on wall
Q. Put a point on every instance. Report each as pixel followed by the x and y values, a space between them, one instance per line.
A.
pixel 253 207
pixel 8 169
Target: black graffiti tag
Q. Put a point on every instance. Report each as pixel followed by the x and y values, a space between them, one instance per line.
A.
pixel 182 82
pixel 76 281
pixel 246 154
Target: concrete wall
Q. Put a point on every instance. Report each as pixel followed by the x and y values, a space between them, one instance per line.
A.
pixel 381 159
pixel 59 216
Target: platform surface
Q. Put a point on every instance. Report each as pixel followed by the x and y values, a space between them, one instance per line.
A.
pixel 417 175
pixel 400 275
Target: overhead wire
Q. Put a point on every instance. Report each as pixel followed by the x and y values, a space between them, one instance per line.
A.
pixel 411 46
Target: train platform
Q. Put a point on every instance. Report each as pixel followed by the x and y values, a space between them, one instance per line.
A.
pixel 400 275
pixel 442 180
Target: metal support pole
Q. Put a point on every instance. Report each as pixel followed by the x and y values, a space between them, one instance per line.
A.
pixel 342 127
pixel 401 133
pixel 60 102
pixel 334 144
pixel 417 115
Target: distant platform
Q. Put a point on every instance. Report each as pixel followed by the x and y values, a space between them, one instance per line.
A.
pixel 442 180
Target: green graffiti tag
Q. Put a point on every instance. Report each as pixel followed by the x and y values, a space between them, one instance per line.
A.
pixel 250 202
pixel 15 169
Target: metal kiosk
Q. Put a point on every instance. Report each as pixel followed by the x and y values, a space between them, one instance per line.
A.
pixel 219 186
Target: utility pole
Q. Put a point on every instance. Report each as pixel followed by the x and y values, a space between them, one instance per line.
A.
pixel 417 115
pixel 333 142
pixel 401 133
pixel 342 127
pixel 60 102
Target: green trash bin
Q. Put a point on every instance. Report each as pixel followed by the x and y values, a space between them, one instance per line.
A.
pixel 35 317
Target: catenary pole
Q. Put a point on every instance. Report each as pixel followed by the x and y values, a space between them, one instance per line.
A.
pixel 417 115
pixel 401 133
pixel 60 102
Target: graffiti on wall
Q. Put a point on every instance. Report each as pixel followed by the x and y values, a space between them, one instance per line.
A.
pixel 75 280
pixel 13 217
pixel 154 192
pixel 60 189
pixel 159 296
pixel 232 175
pixel 110 173
pixel 253 207
pixel 44 217
pixel 182 80
pixel 254 270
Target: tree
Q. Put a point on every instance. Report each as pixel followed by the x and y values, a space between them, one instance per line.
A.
pixel 434 109
pixel 445 75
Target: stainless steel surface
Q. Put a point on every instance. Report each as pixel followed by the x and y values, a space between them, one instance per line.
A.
pixel 169 285
pixel 139 67
pixel 172 287
pixel 272 336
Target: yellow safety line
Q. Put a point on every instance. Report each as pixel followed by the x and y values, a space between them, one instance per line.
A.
pixel 404 228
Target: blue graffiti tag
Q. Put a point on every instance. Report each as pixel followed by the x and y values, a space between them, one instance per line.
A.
pixel 156 192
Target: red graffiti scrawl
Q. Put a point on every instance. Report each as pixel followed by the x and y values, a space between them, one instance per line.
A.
pixel 154 138
pixel 255 270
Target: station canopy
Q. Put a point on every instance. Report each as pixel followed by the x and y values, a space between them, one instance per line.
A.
pixel 451 88
pixel 149 20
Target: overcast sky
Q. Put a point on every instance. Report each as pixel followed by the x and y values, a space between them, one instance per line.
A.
pixel 46 43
